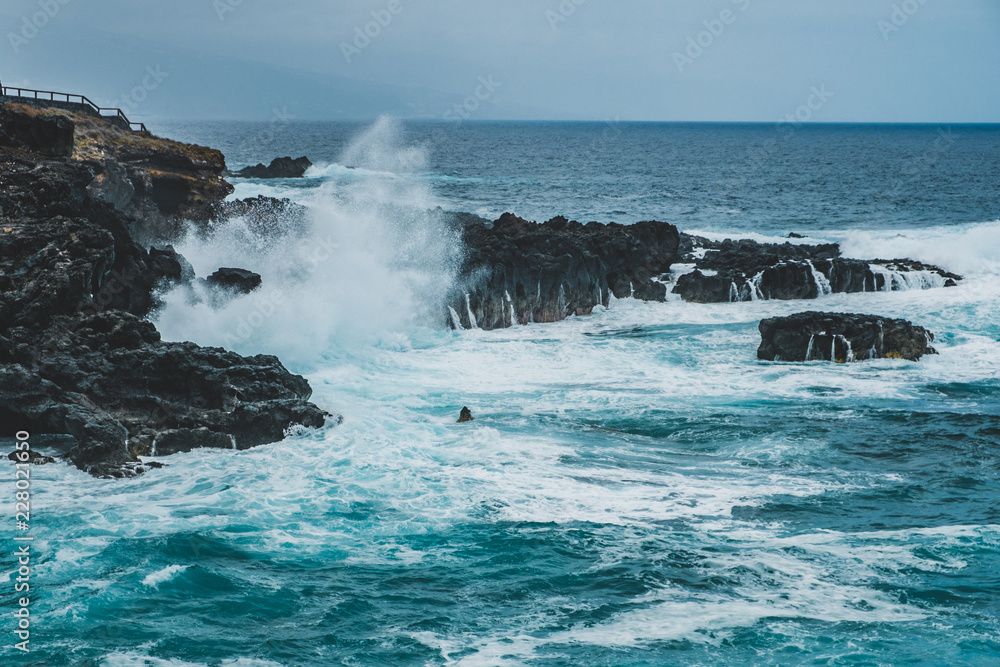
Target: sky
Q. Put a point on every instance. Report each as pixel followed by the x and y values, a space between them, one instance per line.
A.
pixel 627 60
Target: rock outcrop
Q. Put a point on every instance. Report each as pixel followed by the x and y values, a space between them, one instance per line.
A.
pixel 235 280
pixel 108 380
pixel 48 135
pixel 516 271
pixel 280 167
pixel 170 266
pixel 30 456
pixel 76 357
pixel 156 183
pixel 747 271
pixel 264 216
pixel 841 337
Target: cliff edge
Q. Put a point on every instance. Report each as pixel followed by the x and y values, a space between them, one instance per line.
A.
pixel 81 200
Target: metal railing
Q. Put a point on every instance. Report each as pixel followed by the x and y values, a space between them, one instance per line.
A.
pixel 82 100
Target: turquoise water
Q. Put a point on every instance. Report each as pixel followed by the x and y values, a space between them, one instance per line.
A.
pixel 636 489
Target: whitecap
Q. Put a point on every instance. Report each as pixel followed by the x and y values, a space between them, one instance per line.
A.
pixel 166 574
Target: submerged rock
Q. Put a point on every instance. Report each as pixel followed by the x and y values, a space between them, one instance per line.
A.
pixel 516 271
pixel 280 167
pixel 841 337
pixel 748 271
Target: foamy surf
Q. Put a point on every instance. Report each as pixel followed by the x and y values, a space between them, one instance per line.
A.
pixel 636 487
pixel 154 579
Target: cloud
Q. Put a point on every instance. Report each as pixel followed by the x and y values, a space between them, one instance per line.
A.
pixel 598 59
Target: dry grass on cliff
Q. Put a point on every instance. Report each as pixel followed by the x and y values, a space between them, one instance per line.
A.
pixel 97 139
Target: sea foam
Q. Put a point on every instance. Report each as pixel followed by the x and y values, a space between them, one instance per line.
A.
pixel 373 259
pixel 166 574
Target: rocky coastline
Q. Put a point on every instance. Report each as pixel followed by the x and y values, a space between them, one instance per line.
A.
pixel 89 214
pixel 745 270
pixel 519 272
pixel 81 201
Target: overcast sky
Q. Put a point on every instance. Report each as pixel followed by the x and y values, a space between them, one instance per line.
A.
pixel 687 60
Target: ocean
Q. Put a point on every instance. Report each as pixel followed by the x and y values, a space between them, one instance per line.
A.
pixel 636 489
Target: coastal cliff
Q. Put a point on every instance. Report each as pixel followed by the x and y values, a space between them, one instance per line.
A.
pixel 82 201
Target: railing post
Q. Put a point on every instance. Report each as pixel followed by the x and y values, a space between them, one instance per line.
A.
pixel 84 101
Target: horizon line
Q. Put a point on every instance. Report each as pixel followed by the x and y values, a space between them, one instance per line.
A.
pixel 481 121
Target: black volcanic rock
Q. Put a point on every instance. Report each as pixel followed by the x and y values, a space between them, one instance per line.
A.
pixel 690 243
pixel 516 271
pixel 751 257
pixel 175 440
pixel 107 379
pixel 841 337
pixel 60 249
pixel 746 270
pixel 235 280
pixel 170 267
pixel 280 167
pixel 76 358
pixel 265 216
pixel 26 128
pixel 905 266
pixel 41 277
pixel 154 186
pixel 705 288
pixel 30 456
